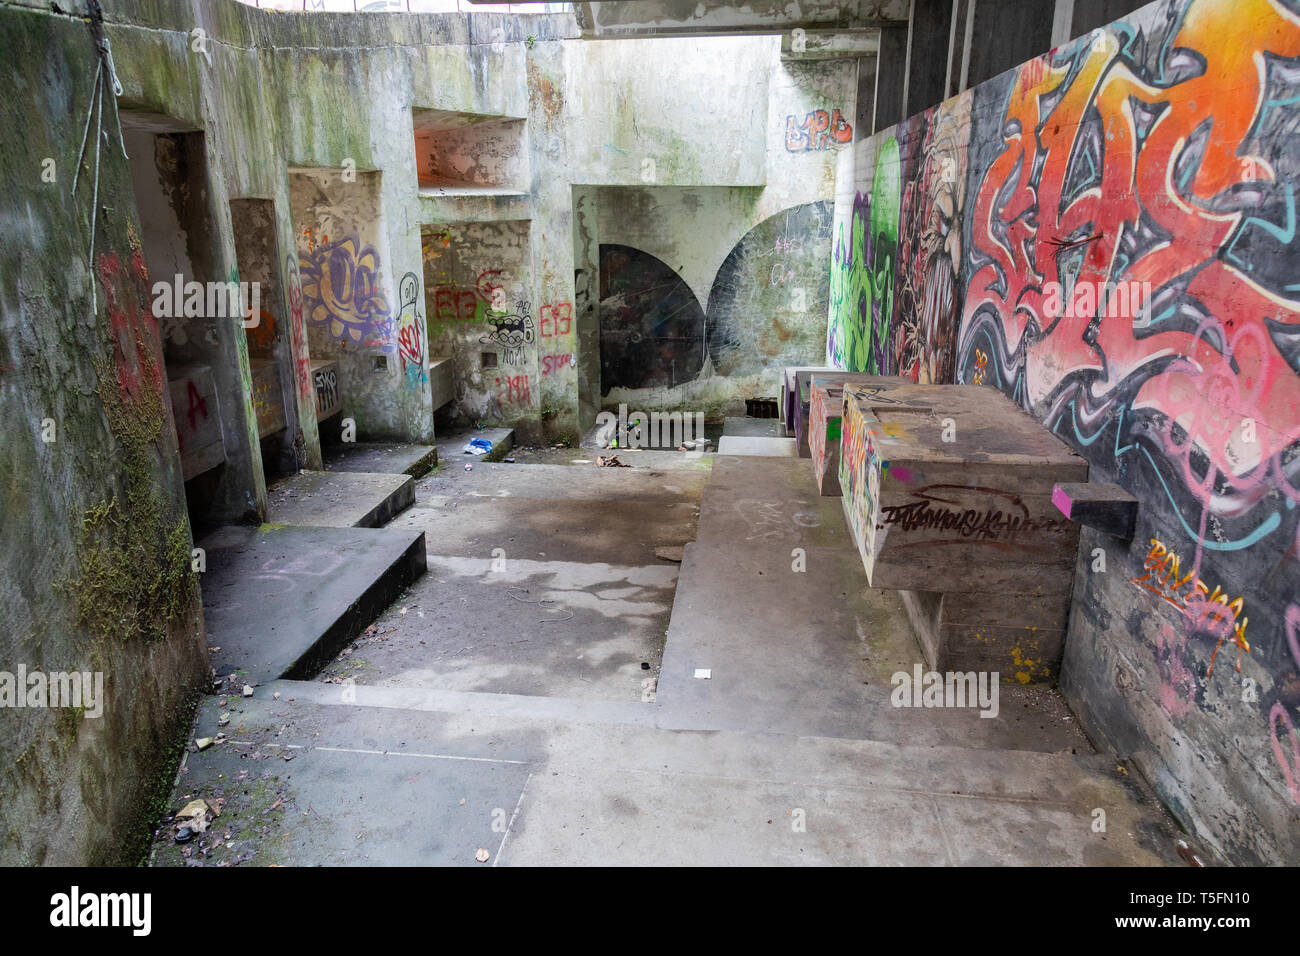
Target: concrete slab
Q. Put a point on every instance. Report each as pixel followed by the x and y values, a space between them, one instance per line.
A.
pixel 623 532
pixel 512 626
pixel 814 653
pixel 745 427
pixel 576 481
pixel 770 447
pixel 344 499
pixel 370 784
pixel 396 458
pixel 281 601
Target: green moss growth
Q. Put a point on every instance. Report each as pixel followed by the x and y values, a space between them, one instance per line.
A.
pixel 135 577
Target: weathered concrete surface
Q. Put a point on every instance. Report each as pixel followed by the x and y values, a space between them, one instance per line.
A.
pixel 325 584
pixel 543 627
pixel 949 489
pixel 379 458
pixel 580 480
pixel 761 447
pixel 610 531
pixel 573 792
pixel 744 427
pixel 340 499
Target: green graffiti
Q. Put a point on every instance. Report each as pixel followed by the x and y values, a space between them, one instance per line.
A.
pixel 862 272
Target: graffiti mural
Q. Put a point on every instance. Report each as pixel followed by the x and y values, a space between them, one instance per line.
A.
pixel 410 331
pixel 342 290
pixel 923 337
pixel 862 271
pixel 1107 234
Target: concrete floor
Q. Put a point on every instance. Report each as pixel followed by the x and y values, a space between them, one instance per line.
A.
pixel 575 731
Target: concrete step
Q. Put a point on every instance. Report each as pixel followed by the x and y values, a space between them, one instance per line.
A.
pixel 282 601
pixel 451 446
pixel 757 445
pixel 814 653
pixel 385 776
pixel 394 458
pixel 624 532
pixel 738 427
pixel 577 481
pixel 339 499
pixel 476 624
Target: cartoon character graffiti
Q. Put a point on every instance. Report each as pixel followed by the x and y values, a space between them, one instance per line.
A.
pixel 342 290
pixel 512 331
pixel 410 331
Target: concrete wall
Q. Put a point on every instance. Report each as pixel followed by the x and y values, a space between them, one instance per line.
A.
pixel 95 572
pixel 1156 150
pixel 705 291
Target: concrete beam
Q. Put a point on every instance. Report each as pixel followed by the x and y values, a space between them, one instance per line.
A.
pixel 712 18
pixel 829 45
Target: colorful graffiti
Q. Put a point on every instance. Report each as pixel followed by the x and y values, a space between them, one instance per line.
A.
pixel 923 338
pixel 818 130
pixel 342 289
pixel 1150 166
pixel 860 474
pixel 556 319
pixel 862 271
pixel 137 344
pixel 298 329
pixel 410 331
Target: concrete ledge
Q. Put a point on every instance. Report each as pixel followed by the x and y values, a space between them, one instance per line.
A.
pixel 1100 505
pixel 319 586
pixel 329 499
pixel 762 447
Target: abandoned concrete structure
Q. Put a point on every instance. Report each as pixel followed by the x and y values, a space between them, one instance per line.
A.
pixel 1021 273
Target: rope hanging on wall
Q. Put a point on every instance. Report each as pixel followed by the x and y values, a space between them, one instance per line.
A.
pixel 104 64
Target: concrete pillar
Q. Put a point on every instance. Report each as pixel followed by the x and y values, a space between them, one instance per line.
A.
pixel 891 77
pixel 929 39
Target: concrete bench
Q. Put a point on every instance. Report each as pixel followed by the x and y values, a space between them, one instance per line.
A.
pixel 790 391
pixel 825 410
pixel 803 407
pixel 947 490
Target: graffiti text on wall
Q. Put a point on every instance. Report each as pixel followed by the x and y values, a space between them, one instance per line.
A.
pixel 817 130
